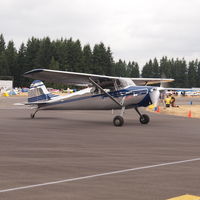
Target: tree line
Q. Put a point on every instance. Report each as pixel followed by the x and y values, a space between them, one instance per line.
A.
pixel 70 55
pixel 185 74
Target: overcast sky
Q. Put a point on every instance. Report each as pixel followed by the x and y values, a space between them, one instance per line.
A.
pixel 134 29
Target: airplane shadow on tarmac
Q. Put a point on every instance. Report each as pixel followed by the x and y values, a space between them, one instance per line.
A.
pixel 89 118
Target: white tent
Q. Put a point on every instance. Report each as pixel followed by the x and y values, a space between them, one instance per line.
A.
pixel 6 85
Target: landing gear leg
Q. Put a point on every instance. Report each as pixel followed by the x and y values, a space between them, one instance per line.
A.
pixel 33 114
pixel 119 120
pixel 144 119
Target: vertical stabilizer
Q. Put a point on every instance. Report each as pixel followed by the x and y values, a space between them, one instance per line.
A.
pixel 38 92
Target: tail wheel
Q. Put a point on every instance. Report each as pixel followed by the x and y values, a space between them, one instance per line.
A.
pixel 144 119
pixel 33 114
pixel 118 121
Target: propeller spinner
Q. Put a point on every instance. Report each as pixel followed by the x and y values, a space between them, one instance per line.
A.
pixel 154 95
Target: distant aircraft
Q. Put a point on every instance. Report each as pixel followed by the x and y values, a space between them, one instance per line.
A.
pixel 100 93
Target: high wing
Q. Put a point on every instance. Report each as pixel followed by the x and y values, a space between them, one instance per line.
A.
pixel 180 89
pixel 83 79
pixel 150 81
pixel 65 77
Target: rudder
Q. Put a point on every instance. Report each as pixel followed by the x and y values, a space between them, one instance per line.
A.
pixel 38 92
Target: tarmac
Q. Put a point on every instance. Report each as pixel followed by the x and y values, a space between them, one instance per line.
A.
pixel 80 155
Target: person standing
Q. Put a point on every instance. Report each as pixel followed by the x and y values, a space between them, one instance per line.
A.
pixel 173 101
pixel 167 101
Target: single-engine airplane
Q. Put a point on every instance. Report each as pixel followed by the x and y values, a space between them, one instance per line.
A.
pixel 100 93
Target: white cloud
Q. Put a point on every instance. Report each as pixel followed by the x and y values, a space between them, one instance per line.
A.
pixel 134 29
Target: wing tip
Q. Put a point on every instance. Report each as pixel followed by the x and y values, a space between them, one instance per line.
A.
pixel 26 74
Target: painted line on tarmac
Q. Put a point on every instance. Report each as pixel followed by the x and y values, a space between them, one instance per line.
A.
pixel 98 175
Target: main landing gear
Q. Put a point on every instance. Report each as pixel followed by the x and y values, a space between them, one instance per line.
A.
pixel 119 120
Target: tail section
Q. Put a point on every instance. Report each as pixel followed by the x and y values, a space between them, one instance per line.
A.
pixel 38 92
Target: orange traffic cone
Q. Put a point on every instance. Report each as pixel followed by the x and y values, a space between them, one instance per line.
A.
pixel 158 109
pixel 189 114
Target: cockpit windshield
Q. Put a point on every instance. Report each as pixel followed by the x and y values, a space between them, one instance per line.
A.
pixel 124 82
pixel 113 85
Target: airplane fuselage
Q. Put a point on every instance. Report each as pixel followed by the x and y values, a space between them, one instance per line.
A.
pixel 85 100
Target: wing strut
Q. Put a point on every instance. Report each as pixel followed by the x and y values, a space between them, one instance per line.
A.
pixel 98 86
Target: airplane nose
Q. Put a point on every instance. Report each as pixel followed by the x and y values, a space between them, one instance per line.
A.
pixel 154 95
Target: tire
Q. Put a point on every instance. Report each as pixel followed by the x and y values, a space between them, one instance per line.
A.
pixel 118 121
pixel 144 119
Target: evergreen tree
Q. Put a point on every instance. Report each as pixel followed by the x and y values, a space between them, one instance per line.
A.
pixel 98 59
pixel 192 74
pixel 165 68
pixel 78 56
pixel 4 69
pixel 44 53
pixel 147 71
pixel 87 59
pixel 179 73
pixel 129 69
pixel 32 49
pixel 102 60
pixel 74 55
pixel 198 75
pixel 120 68
pixel 11 59
pixel 133 70
pixel 109 62
pixel 21 67
pixel 2 44
pixel 155 69
pixel 3 62
pixel 60 53
pixel 54 65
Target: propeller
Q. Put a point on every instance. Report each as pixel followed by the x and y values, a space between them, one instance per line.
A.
pixel 164 84
pixel 159 91
pixel 154 95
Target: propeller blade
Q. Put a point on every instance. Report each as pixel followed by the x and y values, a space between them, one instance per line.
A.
pixel 154 95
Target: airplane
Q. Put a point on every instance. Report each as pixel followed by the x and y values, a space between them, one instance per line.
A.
pixel 100 93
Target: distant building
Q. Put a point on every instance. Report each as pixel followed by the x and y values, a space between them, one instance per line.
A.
pixel 6 85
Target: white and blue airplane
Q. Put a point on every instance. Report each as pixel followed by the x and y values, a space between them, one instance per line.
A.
pixel 100 93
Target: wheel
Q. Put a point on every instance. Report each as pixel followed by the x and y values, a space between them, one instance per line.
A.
pixel 32 115
pixel 118 121
pixel 144 119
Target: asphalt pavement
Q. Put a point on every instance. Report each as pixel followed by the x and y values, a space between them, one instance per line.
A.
pixel 86 153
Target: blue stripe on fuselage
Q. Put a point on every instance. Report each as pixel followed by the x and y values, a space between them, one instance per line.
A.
pixel 140 90
pixel 146 101
pixel 41 97
pixel 38 98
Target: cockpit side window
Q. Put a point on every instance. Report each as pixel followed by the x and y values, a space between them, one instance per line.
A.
pixel 107 85
pixel 124 82
pixel 112 85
